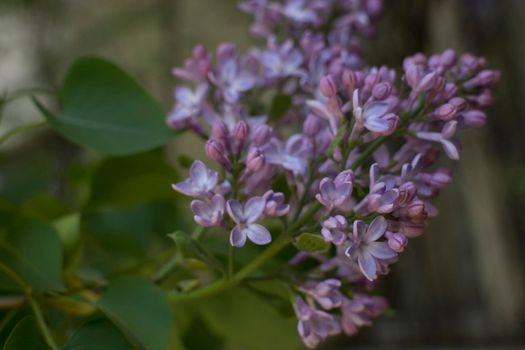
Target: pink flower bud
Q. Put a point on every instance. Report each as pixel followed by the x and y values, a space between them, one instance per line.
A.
pixel 261 134
pixel 416 208
pixel 200 52
pixel 448 58
pixel 412 76
pixel 254 160
pixel 327 86
pixel 427 82
pixel 396 241
pixel 442 177
pixel 219 131
pixel 226 50
pixel 381 91
pixel 445 112
pixel 459 102
pixel 216 151
pixel 349 80
pixel 411 229
pixel 311 125
pixel 474 118
pixel 240 133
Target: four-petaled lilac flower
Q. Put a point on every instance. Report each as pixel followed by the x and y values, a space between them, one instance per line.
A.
pixel 326 293
pixel 336 193
pixel 275 205
pixel 233 80
pixel 314 325
pixel 448 131
pixel 357 312
pixel 293 156
pixel 374 116
pixel 189 104
pixel 334 229
pixel 282 61
pixel 209 213
pixel 245 217
pixel 365 248
pixel 200 183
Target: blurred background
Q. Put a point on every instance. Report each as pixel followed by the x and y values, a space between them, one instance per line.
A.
pixel 462 285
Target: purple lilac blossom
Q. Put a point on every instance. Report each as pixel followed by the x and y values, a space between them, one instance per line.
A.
pixel 245 216
pixel 388 128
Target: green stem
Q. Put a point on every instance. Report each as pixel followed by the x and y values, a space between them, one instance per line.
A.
pixel 46 332
pixel 312 210
pixel 367 152
pixel 231 261
pixel 223 284
pixel 20 129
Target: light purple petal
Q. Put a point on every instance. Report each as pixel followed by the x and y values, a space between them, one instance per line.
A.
pixel 238 236
pixel 375 110
pixel 258 234
pixel 253 209
pixel 359 229
pixel 450 149
pixel 376 229
pixel 234 208
pixel 184 187
pixel 380 250
pixel 367 264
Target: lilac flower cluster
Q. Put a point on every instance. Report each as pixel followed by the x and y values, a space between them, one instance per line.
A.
pixel 359 164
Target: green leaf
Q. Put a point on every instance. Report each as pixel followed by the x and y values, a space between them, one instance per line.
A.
pixel 68 229
pixel 246 322
pixel 125 181
pixel 34 252
pixel 191 248
pixel 140 310
pixel 281 104
pixel 105 109
pixel 275 294
pixel 311 243
pixel 99 334
pixel 25 335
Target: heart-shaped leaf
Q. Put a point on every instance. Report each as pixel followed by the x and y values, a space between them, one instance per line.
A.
pixel 140 310
pixel 105 109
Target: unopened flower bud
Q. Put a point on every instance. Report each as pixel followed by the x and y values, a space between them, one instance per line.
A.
pixel 445 112
pixel 427 82
pixel 311 125
pixel 261 134
pixel 381 91
pixel 412 76
pixel 416 208
pixel 448 58
pixel 216 151
pixel 240 133
pixel 411 229
pixel 474 118
pixel 226 50
pixel 396 241
pixel 254 160
pixel 459 102
pixel 327 86
pixel 349 80
pixel 199 52
pixel 219 131
pixel 442 177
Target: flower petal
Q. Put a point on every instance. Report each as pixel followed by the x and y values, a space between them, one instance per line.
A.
pixel 238 236
pixel 253 209
pixel 367 265
pixel 258 234
pixel 234 208
pixel 380 250
pixel 376 229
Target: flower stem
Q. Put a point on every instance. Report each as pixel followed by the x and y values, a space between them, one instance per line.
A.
pixel 42 324
pixel 224 284
pixel 20 129
pixel 367 152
